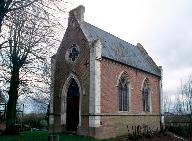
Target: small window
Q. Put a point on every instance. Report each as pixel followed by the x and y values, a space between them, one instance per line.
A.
pixel 72 54
pixel 146 96
pixel 123 93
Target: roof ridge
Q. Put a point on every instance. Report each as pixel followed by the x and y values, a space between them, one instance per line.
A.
pixel 109 33
pixel 120 50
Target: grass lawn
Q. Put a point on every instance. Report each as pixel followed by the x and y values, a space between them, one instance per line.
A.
pixel 43 136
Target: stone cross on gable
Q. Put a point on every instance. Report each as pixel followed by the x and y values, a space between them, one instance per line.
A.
pixel 74 54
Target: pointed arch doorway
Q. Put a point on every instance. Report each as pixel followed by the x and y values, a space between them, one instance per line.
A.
pixel 72 111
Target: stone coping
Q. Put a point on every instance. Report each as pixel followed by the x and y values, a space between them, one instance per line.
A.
pixel 121 114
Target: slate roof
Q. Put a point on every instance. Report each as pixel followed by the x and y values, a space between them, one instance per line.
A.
pixel 119 50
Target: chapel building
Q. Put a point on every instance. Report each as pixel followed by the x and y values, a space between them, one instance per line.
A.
pixel 101 85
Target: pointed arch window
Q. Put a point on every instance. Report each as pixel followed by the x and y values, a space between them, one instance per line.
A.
pixel 123 87
pixel 146 96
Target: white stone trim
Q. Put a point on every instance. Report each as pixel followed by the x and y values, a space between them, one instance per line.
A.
pixel 95 84
pixel 64 98
pixel 150 96
pixel 119 77
pixel 51 119
pixel 129 94
pixel 51 111
pixel 161 96
pixel 143 83
pixel 150 99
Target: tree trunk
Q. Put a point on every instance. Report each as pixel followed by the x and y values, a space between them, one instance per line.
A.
pixel 4 6
pixel 1 21
pixel 11 105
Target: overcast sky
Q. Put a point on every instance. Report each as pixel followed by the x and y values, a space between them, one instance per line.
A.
pixel 163 27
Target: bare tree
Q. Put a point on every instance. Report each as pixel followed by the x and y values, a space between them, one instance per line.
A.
pixel 184 99
pixel 7 6
pixel 179 106
pixel 2 97
pixel 187 96
pixel 54 8
pixel 183 105
pixel 167 103
pixel 25 52
pixel 29 42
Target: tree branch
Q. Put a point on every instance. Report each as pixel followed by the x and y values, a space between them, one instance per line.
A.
pixel 14 9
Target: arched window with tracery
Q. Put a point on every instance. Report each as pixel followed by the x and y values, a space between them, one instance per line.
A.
pixel 146 96
pixel 123 87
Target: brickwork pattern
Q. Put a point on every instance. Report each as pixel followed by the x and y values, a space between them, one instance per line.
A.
pixel 112 122
pixel 110 72
pixel 113 126
pixel 80 68
pixel 115 123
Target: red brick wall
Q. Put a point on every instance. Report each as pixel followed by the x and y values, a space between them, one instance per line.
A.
pixel 110 72
pixel 73 35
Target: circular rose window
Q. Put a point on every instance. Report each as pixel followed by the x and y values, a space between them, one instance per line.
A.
pixel 72 53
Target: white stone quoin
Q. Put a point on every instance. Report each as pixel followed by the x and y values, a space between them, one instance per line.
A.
pixel 64 98
pixel 95 84
pixel 51 116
